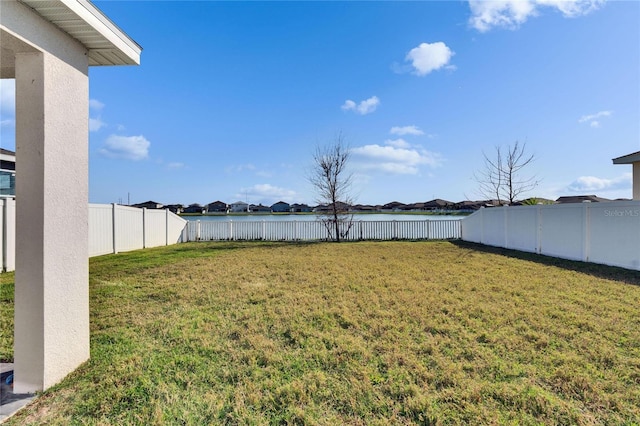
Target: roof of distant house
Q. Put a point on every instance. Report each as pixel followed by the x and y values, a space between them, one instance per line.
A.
pixel 580 199
pixel 628 159
pixel 7 152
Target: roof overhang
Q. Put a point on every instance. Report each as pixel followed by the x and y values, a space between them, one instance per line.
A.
pixel 106 43
pixel 628 159
pixel 7 155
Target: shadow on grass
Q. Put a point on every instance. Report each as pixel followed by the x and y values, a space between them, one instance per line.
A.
pixel 138 260
pixel 599 271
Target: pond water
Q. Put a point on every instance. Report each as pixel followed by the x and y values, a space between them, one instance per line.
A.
pixel 306 217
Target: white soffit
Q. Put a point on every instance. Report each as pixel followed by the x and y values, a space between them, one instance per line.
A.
pixel 106 43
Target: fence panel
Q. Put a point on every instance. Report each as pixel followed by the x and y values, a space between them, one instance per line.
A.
pixel 522 226
pixel 316 230
pixel 563 231
pixel 607 232
pixel 100 229
pixel 614 234
pixel 444 229
pixel 176 229
pixel 155 229
pixel 160 227
pixel 7 234
pixel 129 228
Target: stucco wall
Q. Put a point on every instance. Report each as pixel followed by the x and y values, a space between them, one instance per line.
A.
pixel 51 292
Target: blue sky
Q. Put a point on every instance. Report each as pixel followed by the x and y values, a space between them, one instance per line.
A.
pixel 231 98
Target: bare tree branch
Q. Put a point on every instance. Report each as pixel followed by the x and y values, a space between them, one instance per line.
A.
pixel 501 176
pixel 332 182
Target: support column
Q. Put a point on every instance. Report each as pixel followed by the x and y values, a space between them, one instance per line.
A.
pixel 51 290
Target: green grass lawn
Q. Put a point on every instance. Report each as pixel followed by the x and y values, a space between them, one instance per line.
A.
pixel 353 333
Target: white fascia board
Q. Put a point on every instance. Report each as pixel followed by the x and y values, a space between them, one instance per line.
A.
pixel 99 21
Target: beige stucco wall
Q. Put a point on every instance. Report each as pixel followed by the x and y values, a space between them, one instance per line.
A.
pixel 51 292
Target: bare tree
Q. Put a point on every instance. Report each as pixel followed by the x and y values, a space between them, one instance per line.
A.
pixel 332 182
pixel 501 178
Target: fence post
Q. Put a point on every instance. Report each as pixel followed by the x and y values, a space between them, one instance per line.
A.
pixel 144 227
pixel 230 230
pixel 586 230
pixel 264 230
pixel 481 224
pixel 428 225
pixel 539 229
pixel 197 230
pixel 166 227
pixel 506 225
pixel 115 231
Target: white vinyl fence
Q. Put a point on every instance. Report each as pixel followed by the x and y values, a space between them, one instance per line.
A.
pixel 7 234
pixel 112 229
pixel 606 233
pixel 315 230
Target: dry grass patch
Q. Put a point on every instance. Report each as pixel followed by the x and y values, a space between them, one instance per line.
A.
pixel 353 333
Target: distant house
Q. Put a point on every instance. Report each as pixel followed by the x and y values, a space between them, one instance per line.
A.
pixel 634 160
pixel 393 206
pixel 239 207
pixel 414 207
pixel 533 201
pixel 364 208
pixel 194 208
pixel 175 208
pixel 580 199
pixel 340 206
pixel 300 208
pixel 259 208
pixel 7 173
pixel 217 207
pixel 280 207
pixel 148 205
pixel 468 205
pixel 438 204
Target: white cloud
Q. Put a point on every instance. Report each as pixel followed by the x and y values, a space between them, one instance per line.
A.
pixel 7 102
pixel 95 104
pixel 126 147
pixel 267 194
pixel 429 57
pixel 175 166
pixel 398 143
pixel 96 124
pixel 592 183
pixel 365 107
pixel 486 14
pixel 240 168
pixel 406 130
pixel 593 119
pixel 396 157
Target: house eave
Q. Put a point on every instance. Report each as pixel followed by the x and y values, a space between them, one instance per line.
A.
pixel 105 42
pixel 628 159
